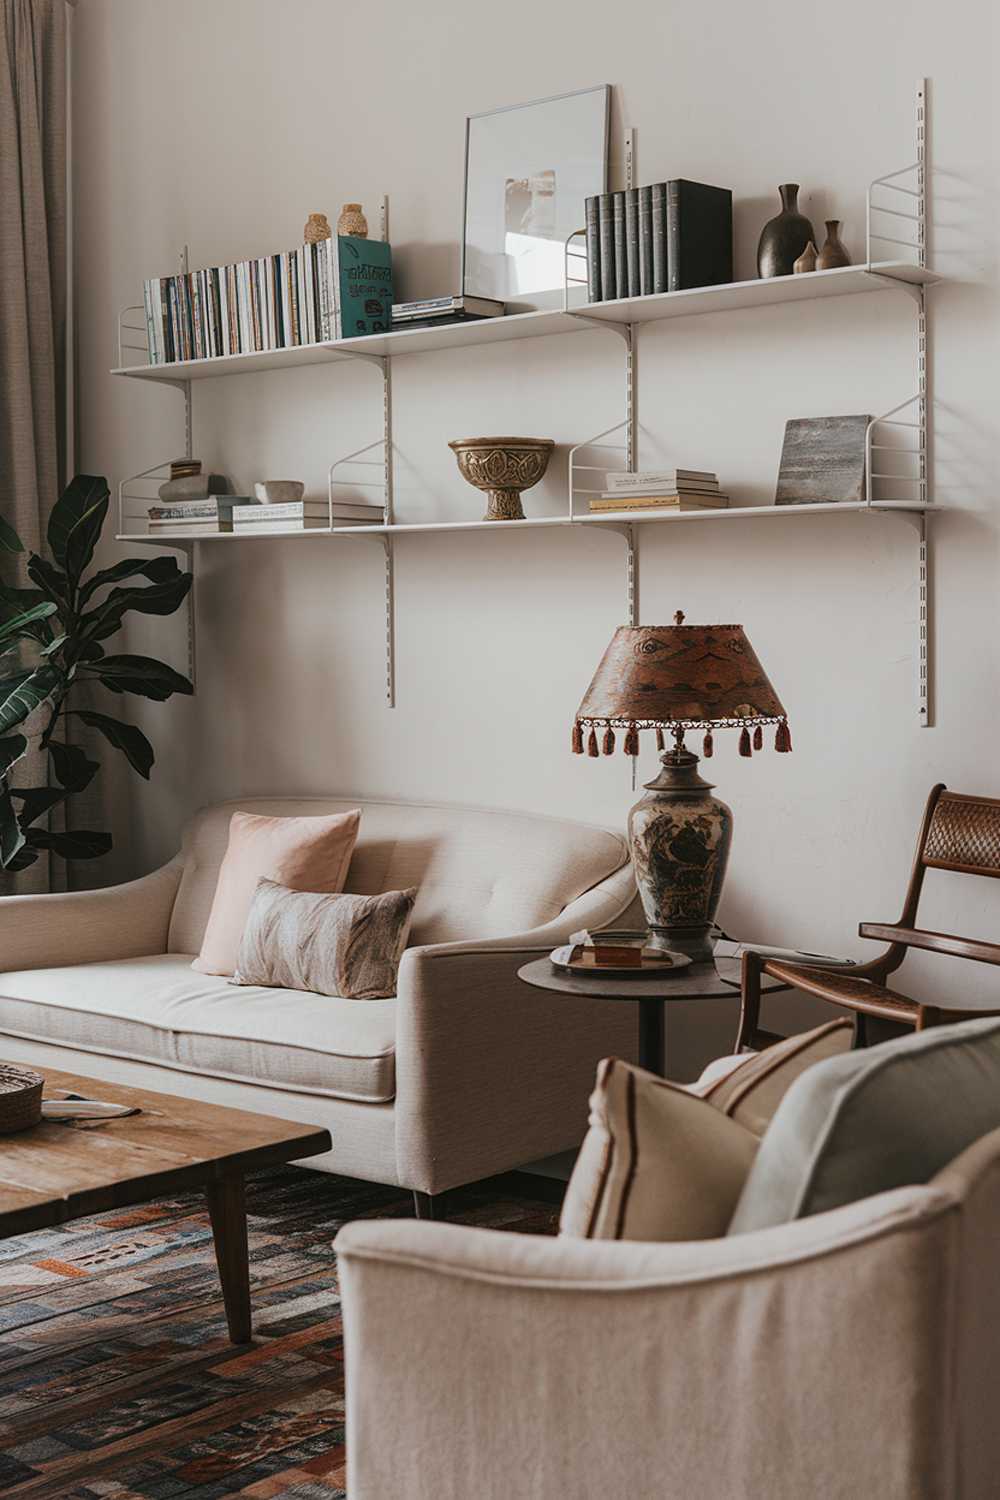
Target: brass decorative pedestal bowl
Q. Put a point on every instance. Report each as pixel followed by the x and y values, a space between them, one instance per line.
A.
pixel 503 467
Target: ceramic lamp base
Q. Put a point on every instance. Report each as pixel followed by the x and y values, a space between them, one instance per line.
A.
pixel 680 836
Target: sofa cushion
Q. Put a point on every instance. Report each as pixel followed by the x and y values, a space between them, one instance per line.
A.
pixel 336 945
pixel 751 1091
pixel 885 1117
pixel 480 874
pixel 657 1163
pixel 159 1010
pixel 307 854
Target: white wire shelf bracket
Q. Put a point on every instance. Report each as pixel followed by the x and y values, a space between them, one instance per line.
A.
pixel 342 474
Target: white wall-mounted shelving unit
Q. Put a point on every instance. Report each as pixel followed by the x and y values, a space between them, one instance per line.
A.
pixel 899 195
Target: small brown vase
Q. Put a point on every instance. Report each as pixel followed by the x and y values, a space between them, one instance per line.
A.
pixel 834 252
pixel 317 228
pixel 806 261
pixel 353 221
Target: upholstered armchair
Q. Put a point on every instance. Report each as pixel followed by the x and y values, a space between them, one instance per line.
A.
pixel 848 1354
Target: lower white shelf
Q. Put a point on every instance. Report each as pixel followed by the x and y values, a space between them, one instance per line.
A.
pixel 617 518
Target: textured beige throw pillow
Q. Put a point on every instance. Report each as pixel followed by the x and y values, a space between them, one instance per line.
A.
pixel 658 1163
pixel 330 944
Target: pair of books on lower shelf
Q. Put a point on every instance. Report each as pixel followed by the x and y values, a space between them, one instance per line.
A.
pixel 665 237
pixel 244 514
pixel 303 515
pixel 661 489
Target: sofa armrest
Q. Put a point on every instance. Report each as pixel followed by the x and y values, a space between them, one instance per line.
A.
pixel 802 1361
pixel 491 1072
pixel 84 927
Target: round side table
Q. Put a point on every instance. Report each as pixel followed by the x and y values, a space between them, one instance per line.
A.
pixel 651 992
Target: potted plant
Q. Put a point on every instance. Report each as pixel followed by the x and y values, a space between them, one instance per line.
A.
pixel 52 637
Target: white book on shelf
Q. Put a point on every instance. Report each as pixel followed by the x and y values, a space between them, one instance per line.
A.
pixel 658 478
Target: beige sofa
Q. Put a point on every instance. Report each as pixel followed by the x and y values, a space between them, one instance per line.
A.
pixel 852 1355
pixel 467 1072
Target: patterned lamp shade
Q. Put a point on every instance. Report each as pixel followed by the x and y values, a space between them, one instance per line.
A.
pixel 678 677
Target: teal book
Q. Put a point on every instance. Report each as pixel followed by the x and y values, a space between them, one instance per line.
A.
pixel 362 285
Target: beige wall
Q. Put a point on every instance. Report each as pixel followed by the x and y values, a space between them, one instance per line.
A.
pixel 224 122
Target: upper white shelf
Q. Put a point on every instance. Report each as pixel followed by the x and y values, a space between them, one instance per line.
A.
pixel 845 281
pixel 617 518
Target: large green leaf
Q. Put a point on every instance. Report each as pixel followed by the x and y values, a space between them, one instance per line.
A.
pixel 17 627
pixel 16 602
pixel 51 580
pixel 156 599
pixel 29 694
pixel 156 569
pixel 79 844
pixel 12 747
pixel 125 737
pixel 76 521
pixel 9 539
pixel 140 674
pixel 11 837
pixel 71 766
pixel 22 859
pixel 36 801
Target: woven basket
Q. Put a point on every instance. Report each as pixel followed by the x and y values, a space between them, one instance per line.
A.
pixel 20 1098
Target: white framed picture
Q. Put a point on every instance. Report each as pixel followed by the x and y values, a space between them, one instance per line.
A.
pixel 528 170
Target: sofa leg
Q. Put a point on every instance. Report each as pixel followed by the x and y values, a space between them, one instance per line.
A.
pixel 427 1205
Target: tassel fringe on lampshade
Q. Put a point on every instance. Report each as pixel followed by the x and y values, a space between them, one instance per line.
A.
pixel 679 677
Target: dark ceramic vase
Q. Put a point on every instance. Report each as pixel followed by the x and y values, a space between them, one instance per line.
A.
pixel 680 836
pixel 785 237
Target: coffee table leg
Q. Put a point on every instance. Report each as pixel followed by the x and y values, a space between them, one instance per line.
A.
pixel 227 1208
pixel 651 1034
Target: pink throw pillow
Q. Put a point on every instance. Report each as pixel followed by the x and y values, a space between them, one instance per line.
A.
pixel 306 854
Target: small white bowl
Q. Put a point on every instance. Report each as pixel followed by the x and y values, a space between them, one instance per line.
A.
pixel 278 491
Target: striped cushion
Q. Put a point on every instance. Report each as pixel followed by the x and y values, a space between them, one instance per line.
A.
pixel 658 1163
pixel 752 1091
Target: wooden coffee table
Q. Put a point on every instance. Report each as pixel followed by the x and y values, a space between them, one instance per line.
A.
pixel 56 1172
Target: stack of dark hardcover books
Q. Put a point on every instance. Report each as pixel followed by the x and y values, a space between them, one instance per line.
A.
pixel 665 237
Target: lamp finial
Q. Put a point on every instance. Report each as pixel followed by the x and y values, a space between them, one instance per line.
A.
pixel 679 617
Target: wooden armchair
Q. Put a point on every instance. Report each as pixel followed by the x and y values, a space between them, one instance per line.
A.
pixel 959 833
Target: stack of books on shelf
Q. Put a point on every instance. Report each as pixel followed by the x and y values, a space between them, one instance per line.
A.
pixel 665 237
pixel 662 489
pixel 337 288
pixel 189 505
pixel 215 513
pixel 252 518
pixel 438 312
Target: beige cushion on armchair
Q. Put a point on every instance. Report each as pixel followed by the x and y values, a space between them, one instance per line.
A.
pixel 661 1162
pixel 658 1163
pixel 884 1117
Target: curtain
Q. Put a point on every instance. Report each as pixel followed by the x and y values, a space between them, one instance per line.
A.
pixel 33 284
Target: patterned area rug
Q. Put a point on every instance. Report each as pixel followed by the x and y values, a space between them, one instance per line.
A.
pixel 116 1376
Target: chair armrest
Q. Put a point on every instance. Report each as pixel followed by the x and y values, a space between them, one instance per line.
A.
pixel 935 942
pixel 492 1072
pixel 729 1367
pixel 842 987
pixel 84 927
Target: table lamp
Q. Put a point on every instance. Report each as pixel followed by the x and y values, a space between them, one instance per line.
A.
pixel 675 678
